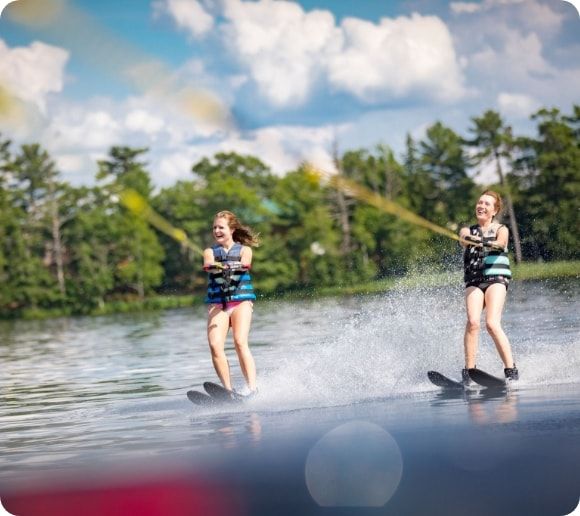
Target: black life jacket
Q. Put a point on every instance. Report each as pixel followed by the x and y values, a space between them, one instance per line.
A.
pixel 481 262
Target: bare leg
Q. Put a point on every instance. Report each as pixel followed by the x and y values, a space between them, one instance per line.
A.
pixel 494 301
pixel 218 323
pixel 474 301
pixel 241 320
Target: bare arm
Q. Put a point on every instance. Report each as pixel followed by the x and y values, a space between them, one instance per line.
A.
pixel 246 257
pixel 503 236
pixel 208 259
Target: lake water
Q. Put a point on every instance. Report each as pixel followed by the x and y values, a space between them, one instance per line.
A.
pixel 93 393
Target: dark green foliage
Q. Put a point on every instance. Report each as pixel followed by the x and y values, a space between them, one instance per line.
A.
pixel 66 249
pixel 547 181
pixel 493 142
pixel 444 160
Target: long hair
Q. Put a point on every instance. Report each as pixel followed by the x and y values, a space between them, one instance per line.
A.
pixel 242 234
pixel 498 201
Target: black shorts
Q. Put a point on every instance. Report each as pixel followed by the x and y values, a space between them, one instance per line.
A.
pixel 484 283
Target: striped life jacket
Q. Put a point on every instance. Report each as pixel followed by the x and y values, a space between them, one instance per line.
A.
pixel 481 262
pixel 229 284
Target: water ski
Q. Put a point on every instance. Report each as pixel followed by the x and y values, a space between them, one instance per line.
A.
pixel 199 398
pixel 219 393
pixel 444 382
pixel 486 379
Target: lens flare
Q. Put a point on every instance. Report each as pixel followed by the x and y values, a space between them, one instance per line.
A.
pixel 357 464
pixel 36 13
pixel 72 28
pixel 12 109
pixel 137 204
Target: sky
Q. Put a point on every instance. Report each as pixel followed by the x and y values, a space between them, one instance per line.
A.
pixel 281 80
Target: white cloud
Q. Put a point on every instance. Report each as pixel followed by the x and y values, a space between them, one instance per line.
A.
pixel 31 73
pixel 531 15
pixel 510 47
pixel 465 7
pixel 540 17
pixel 283 148
pixel 67 163
pixel 79 168
pixel 288 54
pixel 517 105
pixel 175 166
pixel 143 121
pixel 493 3
pixel 268 143
pixel 188 15
pixel 76 135
pixel 526 53
pixel 281 45
pixel 476 7
pixel 77 128
pixel 521 56
pixel 397 58
pixel 287 50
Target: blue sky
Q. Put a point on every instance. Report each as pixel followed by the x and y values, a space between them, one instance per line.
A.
pixel 278 79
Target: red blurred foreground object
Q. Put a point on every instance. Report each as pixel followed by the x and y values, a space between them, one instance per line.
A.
pixel 180 497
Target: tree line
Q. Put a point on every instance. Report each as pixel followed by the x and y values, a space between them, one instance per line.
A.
pixel 75 248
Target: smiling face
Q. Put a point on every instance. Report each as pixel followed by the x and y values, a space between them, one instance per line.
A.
pixel 485 209
pixel 222 232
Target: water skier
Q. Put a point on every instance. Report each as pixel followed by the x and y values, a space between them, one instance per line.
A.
pixel 487 275
pixel 230 295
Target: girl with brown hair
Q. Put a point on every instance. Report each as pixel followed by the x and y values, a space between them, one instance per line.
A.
pixel 487 275
pixel 230 296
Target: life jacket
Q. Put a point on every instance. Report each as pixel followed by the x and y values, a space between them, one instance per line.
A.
pixel 482 262
pixel 229 284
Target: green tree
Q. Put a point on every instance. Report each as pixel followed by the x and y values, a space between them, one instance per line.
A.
pixel 445 161
pixel 90 233
pixel 304 239
pixel 37 247
pixel 230 181
pixel 126 170
pixel 548 179
pixel 137 253
pixel 494 143
pixel 182 205
pixel 8 220
pixel 383 243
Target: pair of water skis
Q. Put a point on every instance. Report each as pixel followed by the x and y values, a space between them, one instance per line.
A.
pixel 215 395
pixel 477 375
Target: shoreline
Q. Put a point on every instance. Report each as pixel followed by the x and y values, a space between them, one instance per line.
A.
pixel 527 271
